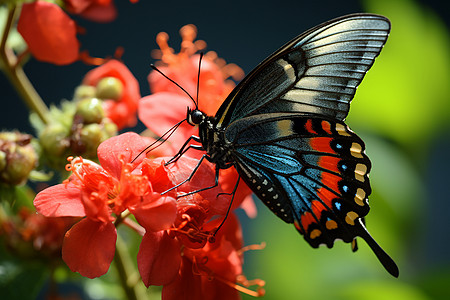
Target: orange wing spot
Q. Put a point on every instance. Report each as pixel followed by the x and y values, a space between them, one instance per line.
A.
pixel 315 233
pixel 309 127
pixel 329 163
pixel 326 196
pixel 331 224
pixel 321 144
pixel 351 217
pixel 326 126
pixel 307 219
pixel 331 181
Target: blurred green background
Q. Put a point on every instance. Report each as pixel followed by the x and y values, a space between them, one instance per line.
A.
pixel 401 111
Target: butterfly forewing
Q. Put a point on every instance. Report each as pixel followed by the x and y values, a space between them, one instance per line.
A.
pixel 317 72
pixel 307 169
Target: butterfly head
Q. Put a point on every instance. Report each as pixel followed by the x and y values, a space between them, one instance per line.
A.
pixel 195 117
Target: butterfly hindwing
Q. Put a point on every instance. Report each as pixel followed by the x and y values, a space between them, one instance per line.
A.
pixel 307 169
pixel 317 72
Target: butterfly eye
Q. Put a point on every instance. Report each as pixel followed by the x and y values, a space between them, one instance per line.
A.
pixel 195 117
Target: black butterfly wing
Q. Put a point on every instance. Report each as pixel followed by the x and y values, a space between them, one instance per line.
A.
pixel 317 72
pixel 309 170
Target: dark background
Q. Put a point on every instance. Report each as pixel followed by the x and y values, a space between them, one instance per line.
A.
pixel 242 32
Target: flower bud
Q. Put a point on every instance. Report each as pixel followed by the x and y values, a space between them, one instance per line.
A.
pixel 91 110
pixel 91 136
pixel 84 91
pixel 53 140
pixel 109 88
pixel 3 161
pixel 109 129
pixel 17 159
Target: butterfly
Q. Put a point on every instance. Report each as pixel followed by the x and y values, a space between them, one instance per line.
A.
pixel 283 129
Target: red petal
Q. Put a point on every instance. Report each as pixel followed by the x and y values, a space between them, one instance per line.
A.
pixel 158 174
pixel 188 285
pixel 158 258
pixel 156 212
pixel 100 13
pixel 128 145
pixel 89 247
pixel 49 33
pixel 60 201
pixel 161 111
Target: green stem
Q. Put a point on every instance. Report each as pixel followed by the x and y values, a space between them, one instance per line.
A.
pixel 133 289
pixel 13 70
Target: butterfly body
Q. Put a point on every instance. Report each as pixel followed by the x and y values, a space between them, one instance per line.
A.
pixel 283 129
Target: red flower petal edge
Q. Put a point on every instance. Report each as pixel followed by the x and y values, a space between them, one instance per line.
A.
pixel 89 247
pixel 49 32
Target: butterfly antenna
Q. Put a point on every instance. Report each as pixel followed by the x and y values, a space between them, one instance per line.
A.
pixel 149 147
pixel 198 76
pixel 171 80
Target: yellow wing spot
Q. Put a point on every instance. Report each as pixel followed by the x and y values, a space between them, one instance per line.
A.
pixel 350 218
pixel 359 197
pixel 285 127
pixel 342 130
pixel 360 171
pixel 356 150
pixel 331 224
pixel 315 233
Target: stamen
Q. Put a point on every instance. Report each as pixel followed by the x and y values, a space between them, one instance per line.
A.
pixel 252 247
pixel 199 268
pixel 259 290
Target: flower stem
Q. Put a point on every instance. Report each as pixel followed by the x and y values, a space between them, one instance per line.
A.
pixel 132 288
pixel 13 70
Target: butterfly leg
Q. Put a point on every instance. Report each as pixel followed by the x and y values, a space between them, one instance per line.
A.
pixel 186 146
pixel 216 182
pixel 190 177
pixel 233 193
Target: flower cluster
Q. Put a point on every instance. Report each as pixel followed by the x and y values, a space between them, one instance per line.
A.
pixel 192 245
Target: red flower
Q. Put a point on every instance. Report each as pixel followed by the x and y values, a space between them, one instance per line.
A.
pixel 101 193
pixel 50 34
pixel 94 10
pixel 213 271
pixel 167 105
pixel 122 111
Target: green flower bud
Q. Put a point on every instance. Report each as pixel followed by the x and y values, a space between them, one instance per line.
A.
pixel 84 91
pixel 91 136
pixel 109 88
pixel 91 110
pixel 53 140
pixel 3 161
pixel 109 129
pixel 18 159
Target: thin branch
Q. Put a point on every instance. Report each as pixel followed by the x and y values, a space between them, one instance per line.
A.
pixel 13 70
